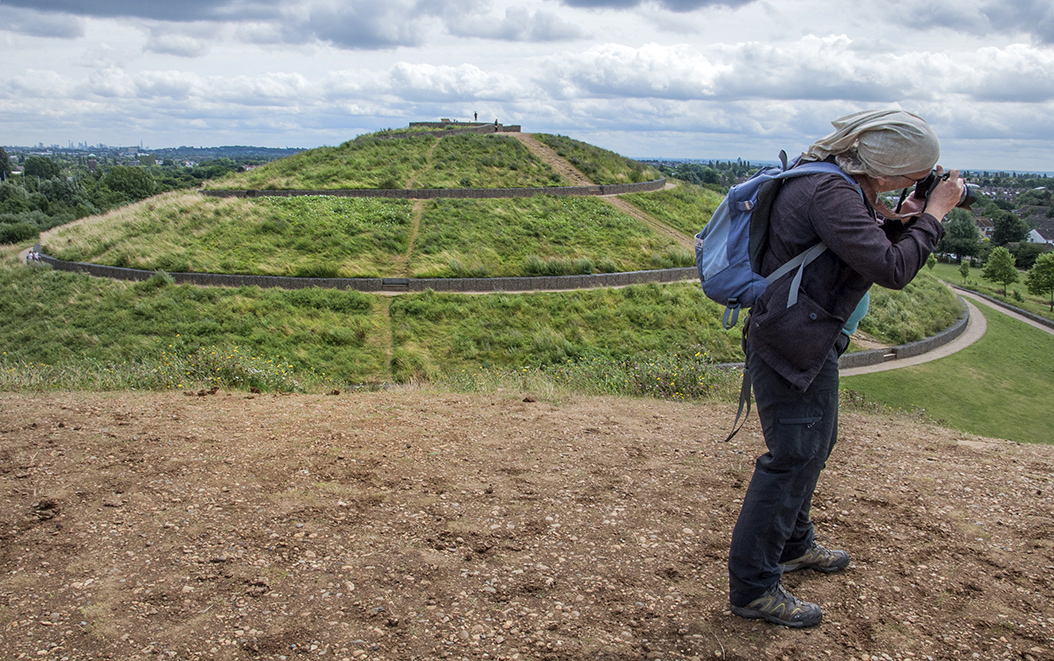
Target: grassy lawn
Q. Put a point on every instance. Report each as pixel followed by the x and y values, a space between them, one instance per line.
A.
pixel 1017 293
pixel 600 165
pixel 366 162
pixel 301 236
pixel 324 236
pixel 999 387
pixel 70 331
pixel 479 161
pixel 447 333
pixel 923 308
pixel 686 208
pixel 150 335
pixel 541 235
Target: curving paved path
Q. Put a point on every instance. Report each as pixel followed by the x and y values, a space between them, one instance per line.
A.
pixel 975 330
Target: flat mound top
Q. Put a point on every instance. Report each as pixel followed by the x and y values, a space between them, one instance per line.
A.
pixel 407 523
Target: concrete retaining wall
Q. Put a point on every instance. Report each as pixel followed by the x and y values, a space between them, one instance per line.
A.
pixel 452 193
pixel 876 356
pixel 1039 319
pixel 392 285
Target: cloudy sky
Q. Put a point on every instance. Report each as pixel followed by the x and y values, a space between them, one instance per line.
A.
pixel 646 78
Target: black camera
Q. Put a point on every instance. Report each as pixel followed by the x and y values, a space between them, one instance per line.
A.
pixel 926 186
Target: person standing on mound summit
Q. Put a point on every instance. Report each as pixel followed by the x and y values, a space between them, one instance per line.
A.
pixel 792 352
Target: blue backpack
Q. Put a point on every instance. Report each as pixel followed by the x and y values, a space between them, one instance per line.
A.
pixel 728 250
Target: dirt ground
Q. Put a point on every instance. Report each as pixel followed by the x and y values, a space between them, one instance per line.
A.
pixel 413 525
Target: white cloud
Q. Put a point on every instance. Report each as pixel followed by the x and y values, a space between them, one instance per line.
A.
pixel 1034 18
pixel 671 5
pixel 181 45
pixel 518 24
pixel 1013 74
pixel 266 90
pixel 163 86
pixel 367 25
pixel 112 83
pixel 814 68
pixel 35 84
pixel 426 82
pixel 613 70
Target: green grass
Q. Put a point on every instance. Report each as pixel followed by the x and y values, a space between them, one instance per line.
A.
pixel 486 161
pixel 65 330
pixel 70 320
pixel 500 238
pixel 998 387
pixel 686 208
pixel 65 320
pixel 304 236
pixel 1017 294
pixel 368 237
pixel 419 161
pixel 920 310
pixel 70 331
pixel 673 375
pixel 600 165
pixel 366 162
pixel 447 333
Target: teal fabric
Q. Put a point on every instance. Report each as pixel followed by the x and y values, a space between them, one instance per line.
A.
pixel 859 313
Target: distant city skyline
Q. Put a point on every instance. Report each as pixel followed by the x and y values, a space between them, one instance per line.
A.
pixel 145 149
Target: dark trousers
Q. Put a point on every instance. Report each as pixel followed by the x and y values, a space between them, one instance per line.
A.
pixel 800 430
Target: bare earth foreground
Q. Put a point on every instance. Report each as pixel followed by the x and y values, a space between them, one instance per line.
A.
pixel 408 524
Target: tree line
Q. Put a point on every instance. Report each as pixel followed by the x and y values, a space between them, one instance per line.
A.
pixel 1012 221
pixel 53 191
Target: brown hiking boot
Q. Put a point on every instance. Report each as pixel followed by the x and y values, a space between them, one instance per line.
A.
pixel 781 607
pixel 818 558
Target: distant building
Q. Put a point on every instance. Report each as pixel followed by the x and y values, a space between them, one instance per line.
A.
pixel 1042 234
pixel 985 226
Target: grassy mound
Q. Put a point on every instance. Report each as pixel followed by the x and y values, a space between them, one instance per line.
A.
pixel 65 330
pixel 418 161
pixel 377 237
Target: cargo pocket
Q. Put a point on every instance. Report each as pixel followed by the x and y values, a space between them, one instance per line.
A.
pixel 800 336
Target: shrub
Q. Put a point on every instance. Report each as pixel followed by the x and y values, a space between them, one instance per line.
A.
pixel 317 270
pixel 534 265
pixel 18 232
pixel 159 280
pixel 583 266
